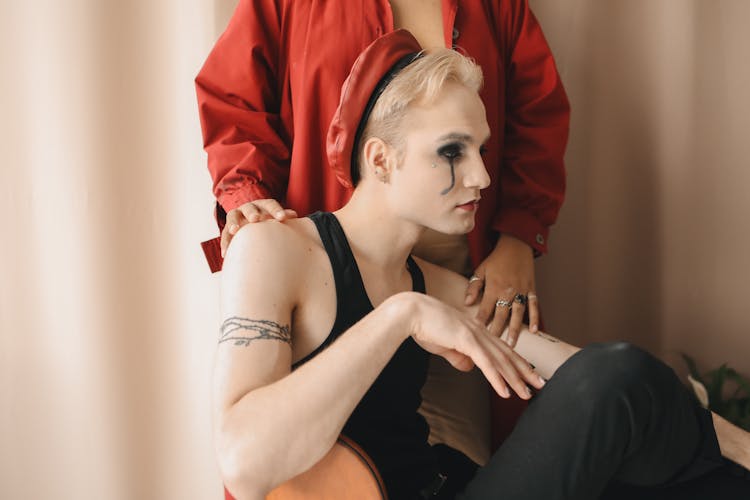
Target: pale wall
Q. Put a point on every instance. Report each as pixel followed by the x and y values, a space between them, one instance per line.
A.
pixel 652 244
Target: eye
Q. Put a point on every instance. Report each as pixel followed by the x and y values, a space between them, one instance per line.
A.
pixel 452 151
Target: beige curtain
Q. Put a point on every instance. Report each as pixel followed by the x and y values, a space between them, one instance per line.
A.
pixel 653 243
pixel 108 313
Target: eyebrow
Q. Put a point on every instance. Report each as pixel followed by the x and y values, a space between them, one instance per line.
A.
pixel 455 136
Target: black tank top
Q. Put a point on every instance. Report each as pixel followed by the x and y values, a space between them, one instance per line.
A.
pixel 385 423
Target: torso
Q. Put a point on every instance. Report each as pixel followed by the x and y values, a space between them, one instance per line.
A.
pixel 385 422
pixel 423 18
pixel 315 313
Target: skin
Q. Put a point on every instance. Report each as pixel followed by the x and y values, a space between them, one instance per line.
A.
pixel 277 275
pixel 279 304
pixel 507 270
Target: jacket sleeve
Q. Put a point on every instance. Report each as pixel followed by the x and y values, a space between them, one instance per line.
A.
pixel 239 100
pixel 536 130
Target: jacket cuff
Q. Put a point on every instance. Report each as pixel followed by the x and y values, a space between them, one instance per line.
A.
pixel 525 227
pixel 239 195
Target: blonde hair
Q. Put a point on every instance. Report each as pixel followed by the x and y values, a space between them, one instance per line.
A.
pixel 421 81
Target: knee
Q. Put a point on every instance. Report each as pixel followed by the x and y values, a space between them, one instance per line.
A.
pixel 604 371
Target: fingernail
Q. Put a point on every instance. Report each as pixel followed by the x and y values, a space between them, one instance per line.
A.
pixel 534 328
pixel 528 391
pixel 541 380
pixel 280 214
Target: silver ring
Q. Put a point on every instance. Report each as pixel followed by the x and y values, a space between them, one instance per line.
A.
pixel 503 303
pixel 531 295
pixel 474 278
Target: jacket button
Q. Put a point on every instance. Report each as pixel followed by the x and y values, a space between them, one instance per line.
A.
pixel 540 239
pixel 455 34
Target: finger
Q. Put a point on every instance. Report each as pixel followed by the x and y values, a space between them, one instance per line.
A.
pixel 471 344
pixel 486 309
pixel 250 212
pixel 230 229
pixel 272 208
pixel 502 311
pixel 493 375
pixel 509 371
pixel 533 313
pixel 225 237
pixel 516 321
pixel 516 382
pixel 516 370
pixel 473 289
pixel 285 214
pixel 527 370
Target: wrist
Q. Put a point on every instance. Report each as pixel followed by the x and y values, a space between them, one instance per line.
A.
pixel 401 311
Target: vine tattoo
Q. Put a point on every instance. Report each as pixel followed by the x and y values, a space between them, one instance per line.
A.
pixel 242 331
pixel 548 337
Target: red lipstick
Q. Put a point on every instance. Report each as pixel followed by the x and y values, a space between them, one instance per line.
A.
pixel 470 206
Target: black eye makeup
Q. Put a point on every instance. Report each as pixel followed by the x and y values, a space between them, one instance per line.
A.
pixel 451 152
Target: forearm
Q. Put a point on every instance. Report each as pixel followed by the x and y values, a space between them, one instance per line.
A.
pixel 280 430
pixel 543 351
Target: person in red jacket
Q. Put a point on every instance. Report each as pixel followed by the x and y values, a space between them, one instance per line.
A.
pixel 268 90
pixel 328 321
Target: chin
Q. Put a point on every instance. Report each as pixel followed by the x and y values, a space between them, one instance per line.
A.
pixel 454 227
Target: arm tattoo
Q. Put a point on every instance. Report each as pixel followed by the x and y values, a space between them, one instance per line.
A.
pixel 234 330
pixel 549 337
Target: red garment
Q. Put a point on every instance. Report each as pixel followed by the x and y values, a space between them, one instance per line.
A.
pixel 273 79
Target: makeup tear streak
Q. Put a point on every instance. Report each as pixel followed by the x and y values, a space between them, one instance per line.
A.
pixel 453 178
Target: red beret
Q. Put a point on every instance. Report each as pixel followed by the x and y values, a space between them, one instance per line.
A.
pixel 372 71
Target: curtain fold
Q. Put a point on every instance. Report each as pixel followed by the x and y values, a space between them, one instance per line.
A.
pixel 108 311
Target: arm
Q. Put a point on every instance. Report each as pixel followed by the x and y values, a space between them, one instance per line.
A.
pixel 532 174
pixel 239 102
pixel 542 350
pixel 536 130
pixel 271 423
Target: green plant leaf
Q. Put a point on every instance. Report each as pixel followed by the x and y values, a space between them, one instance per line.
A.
pixel 735 408
pixel 692 368
pixel 739 380
pixel 715 385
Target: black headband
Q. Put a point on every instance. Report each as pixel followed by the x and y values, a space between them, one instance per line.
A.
pixel 379 89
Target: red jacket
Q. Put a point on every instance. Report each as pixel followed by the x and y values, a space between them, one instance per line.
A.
pixel 270 86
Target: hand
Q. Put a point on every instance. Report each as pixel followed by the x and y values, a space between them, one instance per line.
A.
pixel 504 275
pixel 254 211
pixel 464 342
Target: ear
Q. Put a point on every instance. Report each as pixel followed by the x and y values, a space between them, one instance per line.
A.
pixel 376 155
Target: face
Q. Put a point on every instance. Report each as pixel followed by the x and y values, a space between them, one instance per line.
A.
pixel 440 171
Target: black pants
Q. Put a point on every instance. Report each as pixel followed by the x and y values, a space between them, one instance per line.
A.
pixel 613 423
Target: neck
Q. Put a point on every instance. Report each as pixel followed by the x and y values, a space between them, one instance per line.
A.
pixel 376 235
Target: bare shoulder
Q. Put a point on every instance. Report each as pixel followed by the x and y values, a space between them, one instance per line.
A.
pixel 443 284
pixel 271 246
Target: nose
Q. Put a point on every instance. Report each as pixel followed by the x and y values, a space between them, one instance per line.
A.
pixel 476 174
